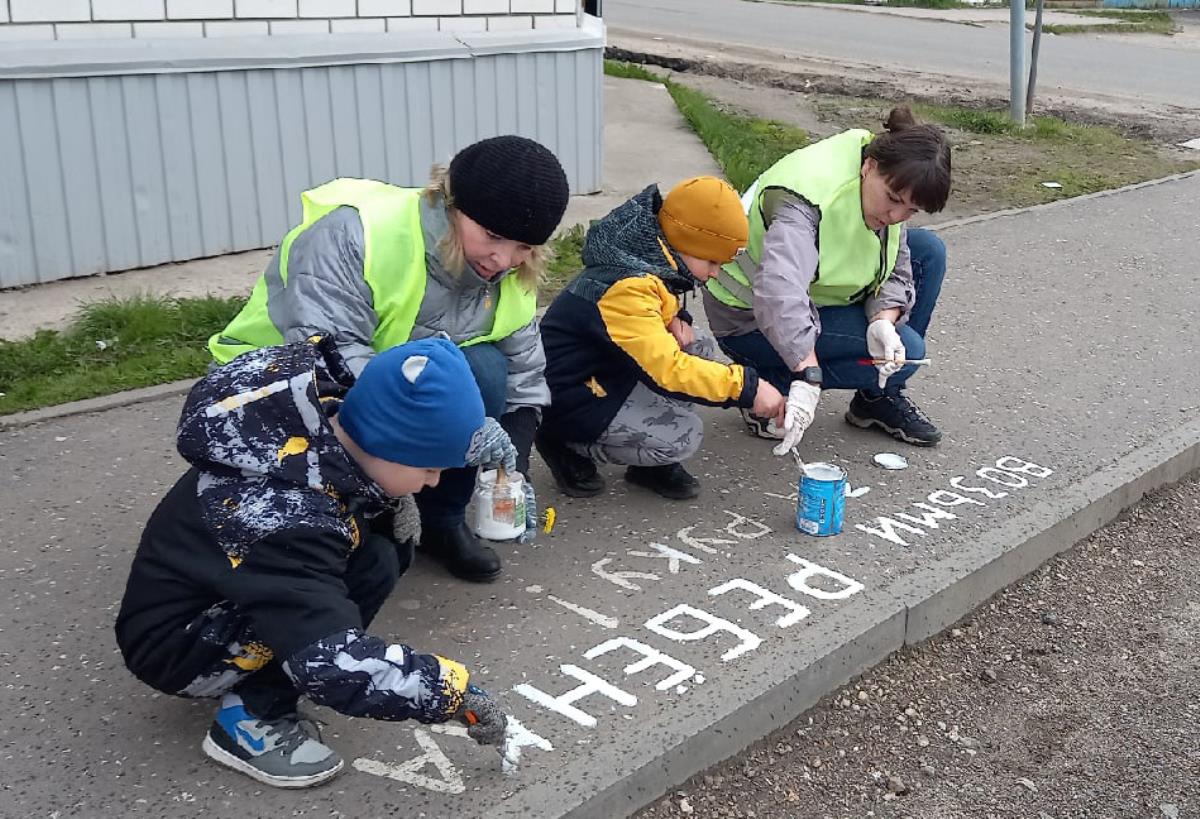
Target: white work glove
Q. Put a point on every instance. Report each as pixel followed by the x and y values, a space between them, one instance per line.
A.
pixel 883 342
pixel 801 409
pixel 491 446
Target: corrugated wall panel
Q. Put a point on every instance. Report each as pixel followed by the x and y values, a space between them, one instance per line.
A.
pixel 17 262
pixel 182 194
pixel 109 173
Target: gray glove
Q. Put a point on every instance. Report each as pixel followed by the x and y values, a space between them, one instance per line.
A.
pixel 406 526
pixel 491 446
pixel 531 515
pixel 486 723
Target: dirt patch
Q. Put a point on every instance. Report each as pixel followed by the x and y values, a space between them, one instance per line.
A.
pixel 1163 123
pixel 1076 693
pixel 991 171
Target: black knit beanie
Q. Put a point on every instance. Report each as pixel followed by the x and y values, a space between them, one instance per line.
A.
pixel 512 186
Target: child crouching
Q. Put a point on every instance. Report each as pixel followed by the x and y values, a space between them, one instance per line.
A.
pixel 259 572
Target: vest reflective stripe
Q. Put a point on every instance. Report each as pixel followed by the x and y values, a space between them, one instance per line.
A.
pixel 852 260
pixel 393 267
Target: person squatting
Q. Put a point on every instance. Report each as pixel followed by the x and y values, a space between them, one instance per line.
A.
pixel 392 348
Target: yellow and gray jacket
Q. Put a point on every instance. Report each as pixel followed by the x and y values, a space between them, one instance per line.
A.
pixel 607 331
pixel 326 291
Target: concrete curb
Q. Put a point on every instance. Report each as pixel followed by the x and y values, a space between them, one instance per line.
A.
pixel 909 612
pixel 104 402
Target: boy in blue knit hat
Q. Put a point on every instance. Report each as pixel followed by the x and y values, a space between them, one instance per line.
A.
pixel 259 572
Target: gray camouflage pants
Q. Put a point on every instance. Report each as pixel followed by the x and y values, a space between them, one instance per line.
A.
pixel 652 429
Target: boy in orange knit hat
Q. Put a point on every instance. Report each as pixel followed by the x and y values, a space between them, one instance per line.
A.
pixel 622 360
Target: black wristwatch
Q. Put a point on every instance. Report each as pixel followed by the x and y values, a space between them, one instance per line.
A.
pixel 809 375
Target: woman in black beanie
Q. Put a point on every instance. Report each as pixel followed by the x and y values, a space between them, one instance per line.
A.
pixel 374 265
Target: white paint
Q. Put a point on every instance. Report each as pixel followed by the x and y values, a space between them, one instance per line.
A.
pixel 944 497
pixel 563 704
pixel 765 597
pixel 703 544
pixel 499 510
pixel 1010 464
pixel 588 614
pixel 886 527
pixel 747 640
pixel 410 772
pixel 800 581
pixel 650 657
pixel 930 518
pixel 672 556
pixel 890 460
pixel 740 520
pixel 535 589
pixel 1194 144
pixel 851 492
pixel 1052 185
pixel 957 480
pixel 1002 477
pixel 516 738
pixel 623 579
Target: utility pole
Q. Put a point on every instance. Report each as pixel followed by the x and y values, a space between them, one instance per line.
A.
pixel 1016 55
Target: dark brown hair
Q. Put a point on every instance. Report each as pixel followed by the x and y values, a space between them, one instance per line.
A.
pixel 914 157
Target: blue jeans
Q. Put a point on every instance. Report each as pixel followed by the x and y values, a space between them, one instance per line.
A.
pixel 843 339
pixel 445 505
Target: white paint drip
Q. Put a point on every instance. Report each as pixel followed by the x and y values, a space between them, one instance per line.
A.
pixel 510 751
pixel 602 620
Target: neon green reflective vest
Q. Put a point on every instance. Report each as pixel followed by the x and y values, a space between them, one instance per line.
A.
pixel 851 259
pixel 393 267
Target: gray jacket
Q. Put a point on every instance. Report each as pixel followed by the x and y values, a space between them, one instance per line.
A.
pixel 783 310
pixel 327 293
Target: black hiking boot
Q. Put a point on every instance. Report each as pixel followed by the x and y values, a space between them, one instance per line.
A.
pixel 895 414
pixel 575 475
pixel 457 548
pixel 671 481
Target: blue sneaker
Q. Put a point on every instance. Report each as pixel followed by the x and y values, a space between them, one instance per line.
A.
pixel 285 753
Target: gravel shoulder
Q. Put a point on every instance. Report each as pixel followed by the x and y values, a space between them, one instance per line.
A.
pixel 1075 693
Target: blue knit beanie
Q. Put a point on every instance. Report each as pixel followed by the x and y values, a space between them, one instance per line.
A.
pixel 416 404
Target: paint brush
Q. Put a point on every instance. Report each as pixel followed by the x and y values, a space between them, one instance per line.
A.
pixel 871 362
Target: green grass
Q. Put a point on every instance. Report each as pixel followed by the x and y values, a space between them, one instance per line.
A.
pixel 743 146
pixel 564 264
pixel 1144 22
pixel 1082 158
pixel 111 346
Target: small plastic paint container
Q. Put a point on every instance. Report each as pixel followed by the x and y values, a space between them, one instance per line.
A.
pixel 821 501
pixel 499 512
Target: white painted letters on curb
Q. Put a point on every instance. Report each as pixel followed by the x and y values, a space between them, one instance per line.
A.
pixel 748 640
pixel 563 703
pixel 650 656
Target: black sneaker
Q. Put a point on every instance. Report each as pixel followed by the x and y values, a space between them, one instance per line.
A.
pixel 575 475
pixel 896 414
pixel 761 427
pixel 671 481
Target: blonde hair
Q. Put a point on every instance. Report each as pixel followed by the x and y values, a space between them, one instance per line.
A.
pixel 530 273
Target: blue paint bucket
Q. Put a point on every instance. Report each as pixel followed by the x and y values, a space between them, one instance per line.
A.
pixel 821 501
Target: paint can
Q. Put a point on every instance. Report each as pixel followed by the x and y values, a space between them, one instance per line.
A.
pixel 821 499
pixel 499 512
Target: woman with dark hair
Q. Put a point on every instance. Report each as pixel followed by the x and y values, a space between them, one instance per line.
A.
pixel 831 276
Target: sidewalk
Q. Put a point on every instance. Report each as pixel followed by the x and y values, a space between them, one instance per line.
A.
pixel 637 115
pixel 643 641
pixel 970 17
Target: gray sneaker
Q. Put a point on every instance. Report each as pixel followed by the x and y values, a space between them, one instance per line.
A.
pixel 286 752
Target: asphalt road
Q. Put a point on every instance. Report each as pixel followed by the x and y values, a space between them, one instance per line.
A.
pixel 1155 70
